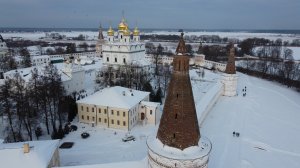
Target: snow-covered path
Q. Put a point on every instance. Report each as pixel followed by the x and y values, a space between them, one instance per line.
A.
pixel 268 122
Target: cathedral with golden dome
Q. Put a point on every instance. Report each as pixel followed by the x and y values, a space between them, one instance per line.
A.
pixel 123 46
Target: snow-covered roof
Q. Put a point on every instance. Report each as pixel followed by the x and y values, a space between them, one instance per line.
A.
pixel 40 154
pixel 129 164
pixel 142 61
pixel 26 72
pixel 117 96
pixel 40 56
pixel 190 153
pixel 150 104
pixel 33 48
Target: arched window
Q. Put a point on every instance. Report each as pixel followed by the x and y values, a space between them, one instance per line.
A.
pixel 116 60
pixel 121 36
pixel 107 59
pixel 124 60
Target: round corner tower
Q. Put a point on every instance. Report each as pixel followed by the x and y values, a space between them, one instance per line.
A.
pixel 178 142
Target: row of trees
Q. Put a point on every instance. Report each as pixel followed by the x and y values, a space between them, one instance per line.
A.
pixel 29 105
pixel 137 77
pixel 286 72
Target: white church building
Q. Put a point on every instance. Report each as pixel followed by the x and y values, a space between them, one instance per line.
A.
pixel 124 47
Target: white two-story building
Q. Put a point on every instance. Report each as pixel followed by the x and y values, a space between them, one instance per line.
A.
pixel 118 107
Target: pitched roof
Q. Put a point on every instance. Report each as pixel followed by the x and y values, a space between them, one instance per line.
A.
pixel 40 154
pixel 117 96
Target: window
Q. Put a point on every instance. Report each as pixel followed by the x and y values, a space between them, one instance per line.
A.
pixel 82 117
pixel 112 112
pixel 116 60
pixel 176 116
pixel 88 117
pixel 124 123
pixel 112 121
pixel 81 108
pixel 99 110
pixel 92 109
pixel 107 59
pixel 118 122
pixel 124 60
pixel 150 112
pixel 105 120
pixel 121 36
pixel 123 113
pixel 118 113
pixel 174 135
pixel 104 111
pixel 87 109
pixel 93 118
pixel 99 119
pixel 125 40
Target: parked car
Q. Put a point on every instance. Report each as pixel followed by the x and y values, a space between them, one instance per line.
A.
pixel 128 138
pixel 85 135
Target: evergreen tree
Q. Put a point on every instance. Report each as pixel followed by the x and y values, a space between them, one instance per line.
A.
pixel 158 95
pixel 71 48
pixel 25 57
pixel 148 88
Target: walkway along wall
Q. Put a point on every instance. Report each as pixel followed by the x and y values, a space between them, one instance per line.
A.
pixel 211 97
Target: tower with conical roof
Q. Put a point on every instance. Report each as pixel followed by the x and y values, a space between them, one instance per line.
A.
pixel 100 40
pixel 229 78
pixel 178 131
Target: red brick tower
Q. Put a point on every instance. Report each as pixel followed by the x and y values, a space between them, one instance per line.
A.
pixel 230 67
pixel 179 124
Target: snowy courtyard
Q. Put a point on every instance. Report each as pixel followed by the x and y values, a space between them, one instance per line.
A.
pixel 267 119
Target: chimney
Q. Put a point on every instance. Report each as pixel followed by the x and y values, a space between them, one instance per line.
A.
pixel 26 148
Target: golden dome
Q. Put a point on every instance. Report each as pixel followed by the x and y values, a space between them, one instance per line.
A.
pixel 136 31
pixel 126 32
pixel 110 32
pixel 123 26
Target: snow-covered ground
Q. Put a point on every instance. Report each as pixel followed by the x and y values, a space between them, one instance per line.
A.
pixel 105 145
pixel 267 120
pixel 236 35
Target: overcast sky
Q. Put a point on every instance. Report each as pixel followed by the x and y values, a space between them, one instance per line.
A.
pixel 197 14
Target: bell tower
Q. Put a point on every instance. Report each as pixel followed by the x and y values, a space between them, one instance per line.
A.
pixel 100 41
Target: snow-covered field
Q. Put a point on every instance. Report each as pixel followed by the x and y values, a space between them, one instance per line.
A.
pixel 267 120
pixel 94 34
pixel 236 35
